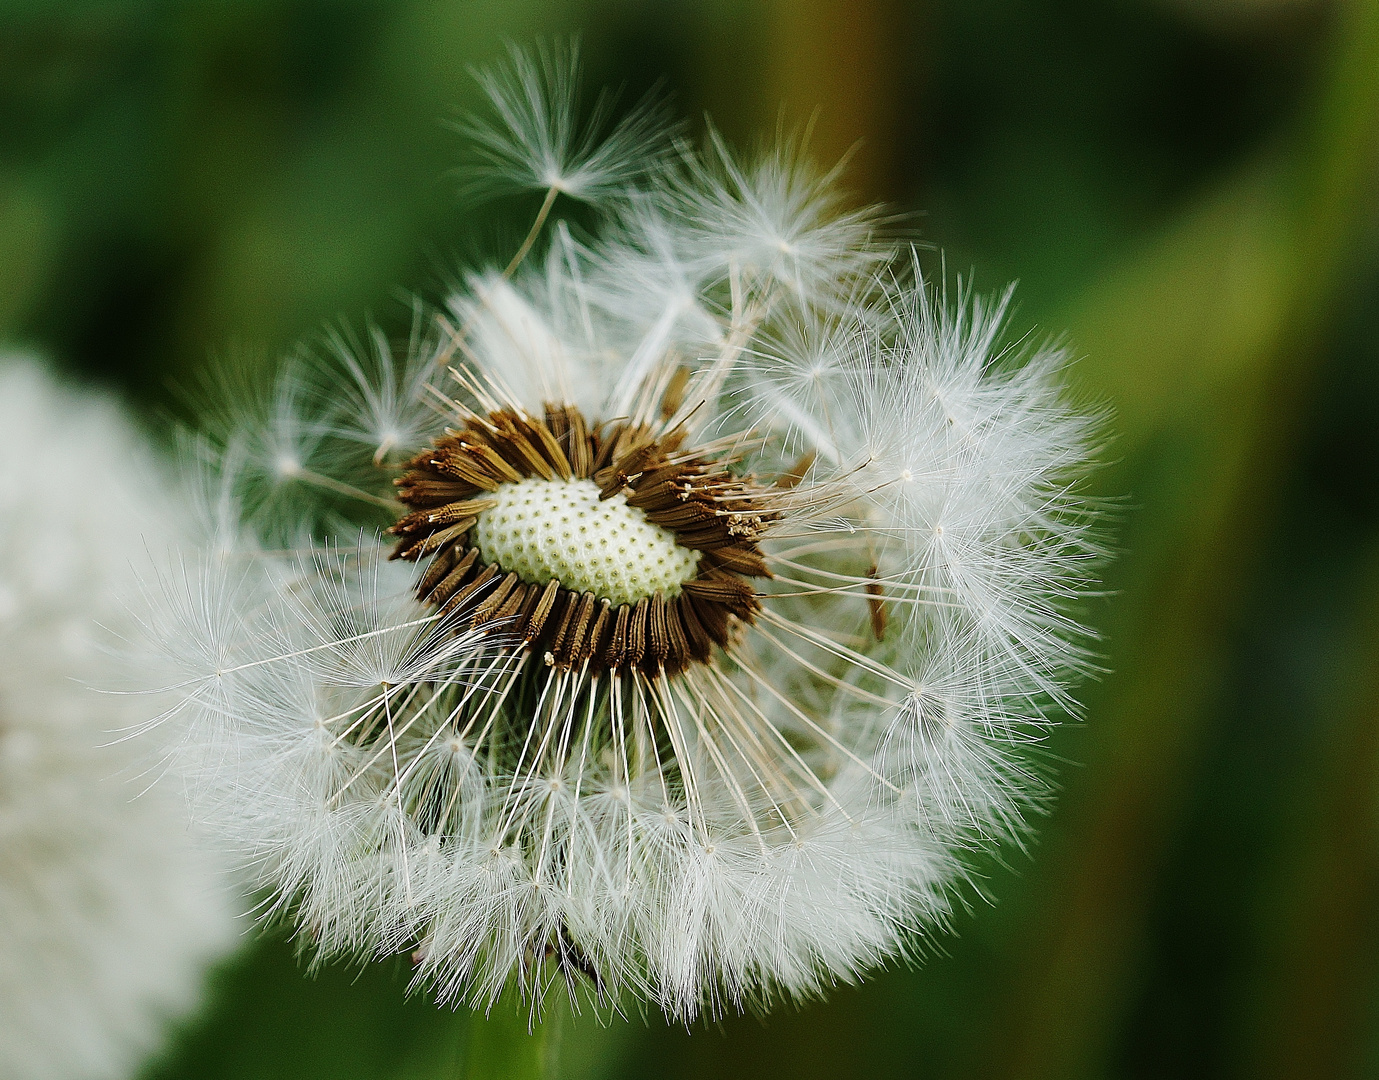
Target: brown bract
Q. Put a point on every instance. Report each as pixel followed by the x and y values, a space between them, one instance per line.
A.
pixel 705 506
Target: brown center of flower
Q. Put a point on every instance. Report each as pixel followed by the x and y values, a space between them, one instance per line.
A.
pixel 609 546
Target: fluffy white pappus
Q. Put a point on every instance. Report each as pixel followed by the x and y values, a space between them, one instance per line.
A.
pixel 294 449
pixel 730 600
pixel 269 464
pixel 777 218
pixel 536 333
pixel 317 717
pixel 799 378
pixel 110 908
pixel 966 738
pixel 689 239
pixel 975 457
pixel 652 294
pixel 535 137
pixel 381 391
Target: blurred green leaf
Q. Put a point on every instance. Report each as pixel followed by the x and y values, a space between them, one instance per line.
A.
pixel 267 1019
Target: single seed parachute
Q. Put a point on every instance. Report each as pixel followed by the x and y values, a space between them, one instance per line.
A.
pixel 722 593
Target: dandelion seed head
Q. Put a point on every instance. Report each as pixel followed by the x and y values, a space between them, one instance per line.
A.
pixel 715 611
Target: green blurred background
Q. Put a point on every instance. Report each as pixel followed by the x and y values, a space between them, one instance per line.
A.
pixel 1186 188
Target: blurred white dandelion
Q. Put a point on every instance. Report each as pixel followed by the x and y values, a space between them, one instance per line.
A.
pixel 732 583
pixel 110 912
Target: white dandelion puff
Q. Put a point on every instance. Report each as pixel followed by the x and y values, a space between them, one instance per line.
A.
pixel 979 450
pixel 109 911
pixel 731 592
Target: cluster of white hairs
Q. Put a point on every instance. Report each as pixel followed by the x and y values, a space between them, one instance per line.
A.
pixel 110 910
pixel 758 769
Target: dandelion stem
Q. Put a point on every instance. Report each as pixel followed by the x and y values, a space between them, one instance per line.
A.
pixel 512 1043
